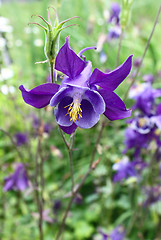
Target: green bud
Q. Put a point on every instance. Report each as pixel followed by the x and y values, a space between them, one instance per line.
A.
pixel 125 13
pixel 52 34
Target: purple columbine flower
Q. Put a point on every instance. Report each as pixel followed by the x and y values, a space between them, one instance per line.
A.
pixel 136 62
pixel 115 12
pixel 114 32
pixel 153 195
pixel 145 97
pixel 77 100
pixel 124 169
pixel 148 78
pixel 18 180
pixel 21 138
pixel 118 233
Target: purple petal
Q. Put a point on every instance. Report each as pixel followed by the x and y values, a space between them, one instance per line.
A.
pixel 89 116
pixel 70 129
pixel 65 91
pixel 156 120
pixel 39 96
pixel 158 109
pixel 22 181
pixel 60 113
pixel 96 100
pixel 9 183
pixel 68 62
pixel 115 107
pixel 112 79
pixel 82 79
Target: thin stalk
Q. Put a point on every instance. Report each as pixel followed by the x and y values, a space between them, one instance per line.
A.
pixel 13 142
pixel 119 48
pixel 52 71
pixel 70 149
pixel 146 48
pixel 38 197
pixel 91 167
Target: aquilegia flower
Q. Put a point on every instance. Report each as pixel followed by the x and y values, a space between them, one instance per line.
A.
pixel 118 233
pixel 18 180
pixel 21 138
pixel 78 101
pixel 124 169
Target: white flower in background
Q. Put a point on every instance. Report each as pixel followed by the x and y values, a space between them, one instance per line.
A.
pixel 2 43
pixel 6 73
pixel 27 30
pixel 18 43
pixel 35 30
pixel 4 27
pixel 6 89
pixel 38 42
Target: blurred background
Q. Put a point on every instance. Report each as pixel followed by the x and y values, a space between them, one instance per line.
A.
pixel 118 201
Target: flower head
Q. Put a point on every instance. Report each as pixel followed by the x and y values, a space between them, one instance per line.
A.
pixel 78 101
pixel 115 12
pixel 18 180
pixel 118 233
pixel 21 138
pixel 124 169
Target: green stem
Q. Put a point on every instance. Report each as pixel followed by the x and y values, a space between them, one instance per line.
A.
pixel 52 71
pixel 75 192
pixel 119 48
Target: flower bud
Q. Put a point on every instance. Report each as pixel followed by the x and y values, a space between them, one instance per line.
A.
pixel 52 34
pixel 125 13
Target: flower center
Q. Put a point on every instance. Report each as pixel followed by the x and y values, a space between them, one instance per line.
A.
pixel 74 110
pixel 142 122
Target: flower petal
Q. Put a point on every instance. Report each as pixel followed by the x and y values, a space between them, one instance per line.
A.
pixel 115 107
pixel 70 129
pixel 9 183
pixel 96 100
pixel 89 116
pixel 112 79
pixel 68 62
pixel 60 113
pixel 64 91
pixel 39 96
pixel 82 79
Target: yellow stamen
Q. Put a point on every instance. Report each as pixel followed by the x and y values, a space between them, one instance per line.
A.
pixel 74 111
pixel 142 122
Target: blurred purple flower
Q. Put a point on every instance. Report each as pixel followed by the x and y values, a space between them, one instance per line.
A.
pixel 103 57
pixel 114 13
pixel 36 124
pixel 118 233
pixel 79 101
pixel 18 180
pixel 124 169
pixel 56 206
pixel 144 96
pixel 136 140
pixel 140 164
pixel 21 138
pixel 153 195
pixel 78 199
pixel 141 132
pixel 148 78
pixel 45 216
pixel 114 32
pixel 136 62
